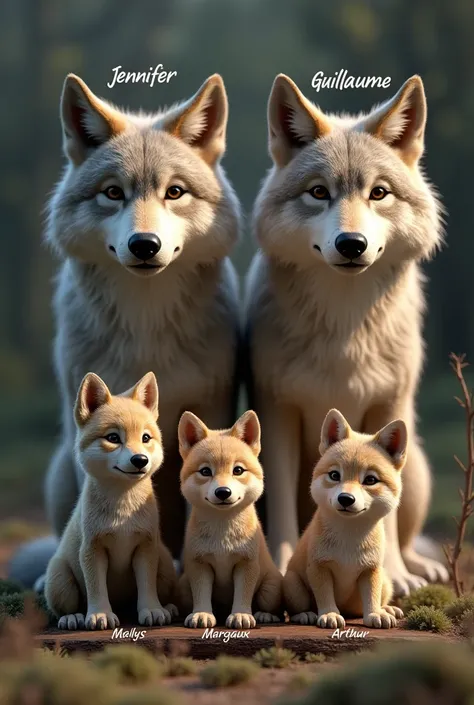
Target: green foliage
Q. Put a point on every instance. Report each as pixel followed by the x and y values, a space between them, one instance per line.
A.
pixel 178 666
pixel 275 657
pixel 128 664
pixel 228 670
pixel 459 607
pixel 13 605
pixel 428 619
pixel 437 596
pixel 10 587
pixel 309 657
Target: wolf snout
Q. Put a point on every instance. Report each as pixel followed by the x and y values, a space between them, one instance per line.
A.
pixel 346 500
pixel 144 246
pixel 223 493
pixel 351 245
pixel 139 461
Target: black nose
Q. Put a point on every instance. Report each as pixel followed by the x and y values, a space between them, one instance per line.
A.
pixel 223 493
pixel 346 500
pixel 351 245
pixel 144 245
pixel 139 461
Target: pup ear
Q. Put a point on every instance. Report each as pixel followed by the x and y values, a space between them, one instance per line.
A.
pixel 191 430
pixel 201 121
pixel 247 428
pixel 400 122
pixel 293 121
pixel 393 439
pixel 92 394
pixel 146 392
pixel 335 428
pixel 87 120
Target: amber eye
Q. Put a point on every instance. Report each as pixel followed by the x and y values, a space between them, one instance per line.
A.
pixel 370 480
pixel 320 192
pixel 115 193
pixel 238 470
pixel 206 472
pixel 112 438
pixel 174 192
pixel 378 193
pixel 334 475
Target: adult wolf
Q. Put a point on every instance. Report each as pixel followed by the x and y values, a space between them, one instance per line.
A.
pixel 334 300
pixel 143 220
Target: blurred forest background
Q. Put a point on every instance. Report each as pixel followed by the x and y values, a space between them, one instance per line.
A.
pixel 248 42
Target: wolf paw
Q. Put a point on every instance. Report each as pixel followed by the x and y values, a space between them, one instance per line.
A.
pixel 304 618
pixel 173 610
pixel 71 622
pixel 240 620
pixel 265 617
pixel 331 620
pixel 404 582
pixel 200 619
pixel 380 620
pixel 150 617
pixel 101 620
pixel 395 611
pixel 427 568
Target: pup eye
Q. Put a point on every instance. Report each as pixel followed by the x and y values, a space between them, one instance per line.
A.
pixel 115 193
pixel 146 437
pixel 238 470
pixel 174 192
pixel 206 472
pixel 378 193
pixel 113 438
pixel 320 192
pixel 370 480
pixel 334 475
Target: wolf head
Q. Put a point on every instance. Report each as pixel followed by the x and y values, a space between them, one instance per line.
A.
pixel 118 436
pixel 141 191
pixel 221 469
pixel 346 192
pixel 359 476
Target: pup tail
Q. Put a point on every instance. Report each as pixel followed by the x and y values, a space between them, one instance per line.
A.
pixel 429 548
pixel 28 565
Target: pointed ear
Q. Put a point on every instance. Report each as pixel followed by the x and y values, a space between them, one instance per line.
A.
pixel 87 120
pixel 191 430
pixel 146 392
pixel 92 394
pixel 393 439
pixel 247 428
pixel 401 121
pixel 293 121
pixel 201 122
pixel 335 428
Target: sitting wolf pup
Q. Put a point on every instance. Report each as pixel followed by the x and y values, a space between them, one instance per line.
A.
pixel 111 550
pixel 227 565
pixel 338 562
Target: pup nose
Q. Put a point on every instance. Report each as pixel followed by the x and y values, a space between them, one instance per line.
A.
pixel 139 461
pixel 346 500
pixel 223 493
pixel 144 245
pixel 351 245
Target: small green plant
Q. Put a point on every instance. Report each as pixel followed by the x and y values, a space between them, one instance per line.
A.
pixel 275 657
pixel 466 625
pixel 10 587
pixel 314 658
pixel 228 670
pixel 128 664
pixel 428 619
pixel 438 596
pixel 12 605
pixel 458 607
pixel 175 666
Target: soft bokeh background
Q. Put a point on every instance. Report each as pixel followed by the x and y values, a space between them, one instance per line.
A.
pixel 248 42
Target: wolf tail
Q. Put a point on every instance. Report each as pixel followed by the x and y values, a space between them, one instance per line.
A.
pixel 28 565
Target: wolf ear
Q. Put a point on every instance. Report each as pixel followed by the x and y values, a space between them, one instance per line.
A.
pixel 92 394
pixel 335 428
pixel 293 121
pixel 201 122
pixel 146 392
pixel 393 439
pixel 191 430
pixel 87 120
pixel 247 428
pixel 401 121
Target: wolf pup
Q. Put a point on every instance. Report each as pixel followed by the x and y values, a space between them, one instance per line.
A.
pixel 111 550
pixel 335 302
pixel 227 566
pixel 337 566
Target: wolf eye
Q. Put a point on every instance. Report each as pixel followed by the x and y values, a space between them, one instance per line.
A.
pixel 334 475
pixel 112 438
pixel 320 192
pixel 378 193
pixel 174 192
pixel 238 470
pixel 205 472
pixel 370 480
pixel 146 437
pixel 115 193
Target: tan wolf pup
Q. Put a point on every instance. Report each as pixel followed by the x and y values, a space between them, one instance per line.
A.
pixel 337 566
pixel 227 565
pixel 111 551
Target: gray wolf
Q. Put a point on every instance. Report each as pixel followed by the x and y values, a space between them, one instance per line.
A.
pixel 334 301
pixel 111 550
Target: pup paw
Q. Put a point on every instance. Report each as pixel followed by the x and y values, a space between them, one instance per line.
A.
pixel 173 610
pixel 331 620
pixel 393 610
pixel 71 622
pixel 427 568
pixel 265 618
pixel 304 618
pixel 240 620
pixel 156 616
pixel 101 620
pixel 380 620
pixel 200 619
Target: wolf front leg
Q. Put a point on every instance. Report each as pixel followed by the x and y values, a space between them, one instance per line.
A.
pixel 246 574
pixel 94 564
pixel 371 583
pixel 145 566
pixel 321 581
pixel 201 580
